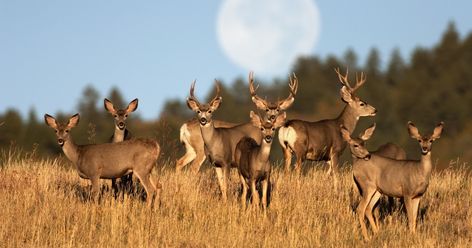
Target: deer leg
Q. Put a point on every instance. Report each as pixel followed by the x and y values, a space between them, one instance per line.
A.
pixel 255 194
pixel 361 208
pixel 188 157
pixel 221 182
pixel 265 186
pixel 114 187
pixel 287 158
pixel 244 194
pixel 415 204
pixel 334 164
pixel 148 186
pixel 95 188
pixel 410 212
pixel 371 206
pixel 198 161
pixel 157 187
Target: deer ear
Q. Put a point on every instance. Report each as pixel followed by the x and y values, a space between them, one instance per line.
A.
pixel 132 106
pixel 414 133
pixel 73 121
pixel 346 94
pixel 50 121
pixel 255 119
pixel 109 106
pixel 437 131
pixel 346 135
pixel 192 104
pixel 367 133
pixel 215 103
pixel 286 103
pixel 280 120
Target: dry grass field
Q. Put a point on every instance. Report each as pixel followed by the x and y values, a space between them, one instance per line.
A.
pixel 43 205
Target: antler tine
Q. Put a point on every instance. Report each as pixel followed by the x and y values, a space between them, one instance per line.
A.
pixel 360 81
pixel 192 89
pixel 217 84
pixel 252 90
pixel 343 79
pixel 293 85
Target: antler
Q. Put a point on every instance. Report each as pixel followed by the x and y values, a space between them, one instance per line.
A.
pixel 345 81
pixel 293 87
pixel 217 84
pixel 260 103
pixel 192 90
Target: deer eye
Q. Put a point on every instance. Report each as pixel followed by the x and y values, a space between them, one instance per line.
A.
pixel 273 129
pixel 209 111
pixel 67 131
pixel 362 104
pixel 419 140
pixel 116 116
pixel 262 129
pixel 198 111
pixel 356 146
pixel 126 116
pixel 267 110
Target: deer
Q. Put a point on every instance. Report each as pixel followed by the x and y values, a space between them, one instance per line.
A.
pixel 253 159
pixel 375 175
pixel 388 150
pixel 321 140
pixel 109 160
pixel 121 133
pixel 191 137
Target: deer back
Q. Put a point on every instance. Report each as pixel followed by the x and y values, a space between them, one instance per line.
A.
pixel 113 160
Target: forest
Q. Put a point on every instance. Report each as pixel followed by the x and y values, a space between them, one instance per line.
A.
pixel 434 84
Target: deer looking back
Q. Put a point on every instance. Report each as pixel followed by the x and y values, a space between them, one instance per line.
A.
pixel 375 175
pixel 109 160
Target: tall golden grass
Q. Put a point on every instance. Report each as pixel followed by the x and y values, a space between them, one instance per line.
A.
pixel 43 204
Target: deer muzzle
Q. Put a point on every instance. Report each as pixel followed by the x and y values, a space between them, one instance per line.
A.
pixel 60 142
pixel 121 125
pixel 203 121
pixel 268 139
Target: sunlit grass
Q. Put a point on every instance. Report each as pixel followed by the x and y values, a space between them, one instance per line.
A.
pixel 44 204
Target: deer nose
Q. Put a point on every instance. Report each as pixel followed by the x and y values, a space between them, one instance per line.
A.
pixel 203 121
pixel 272 117
pixel 121 125
pixel 268 139
pixel 60 141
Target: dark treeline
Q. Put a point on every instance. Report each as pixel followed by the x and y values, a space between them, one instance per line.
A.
pixel 434 84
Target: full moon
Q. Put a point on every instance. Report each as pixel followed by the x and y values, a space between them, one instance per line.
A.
pixel 267 35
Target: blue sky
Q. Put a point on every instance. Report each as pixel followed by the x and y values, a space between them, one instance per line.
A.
pixel 152 50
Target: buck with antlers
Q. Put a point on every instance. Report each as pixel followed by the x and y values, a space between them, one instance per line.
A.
pixel 121 133
pixel 109 160
pixel 253 159
pixel 191 137
pixel 321 140
pixel 375 175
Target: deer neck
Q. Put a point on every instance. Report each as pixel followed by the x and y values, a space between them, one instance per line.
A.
pixel 208 132
pixel 264 152
pixel 348 118
pixel 119 135
pixel 71 150
pixel 426 164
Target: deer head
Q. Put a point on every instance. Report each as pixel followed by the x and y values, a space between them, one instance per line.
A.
pixel 273 108
pixel 267 127
pixel 120 115
pixel 62 130
pixel 426 141
pixel 356 145
pixel 204 111
pixel 347 94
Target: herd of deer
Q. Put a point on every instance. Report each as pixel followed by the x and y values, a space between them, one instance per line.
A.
pixel 247 146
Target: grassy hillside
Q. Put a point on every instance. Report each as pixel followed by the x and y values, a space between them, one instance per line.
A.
pixel 43 204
